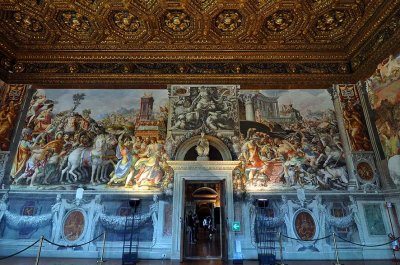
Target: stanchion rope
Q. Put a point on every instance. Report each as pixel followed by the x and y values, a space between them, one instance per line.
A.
pixel 73 246
pixel 12 255
pixel 316 239
pixel 370 246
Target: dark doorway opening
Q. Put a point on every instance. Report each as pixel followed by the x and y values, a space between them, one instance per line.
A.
pixel 204 236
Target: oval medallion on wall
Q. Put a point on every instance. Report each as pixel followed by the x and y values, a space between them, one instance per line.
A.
pixel 74 225
pixel 365 171
pixel 304 225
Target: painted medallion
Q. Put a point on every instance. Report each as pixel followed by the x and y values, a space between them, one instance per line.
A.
pixel 74 225
pixel 305 226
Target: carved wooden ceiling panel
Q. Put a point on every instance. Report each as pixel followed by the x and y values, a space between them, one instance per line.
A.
pixel 298 36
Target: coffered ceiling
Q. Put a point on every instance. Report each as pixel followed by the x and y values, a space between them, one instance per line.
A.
pixel 271 43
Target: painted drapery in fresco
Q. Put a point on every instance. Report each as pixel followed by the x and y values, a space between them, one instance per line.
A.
pixel 11 99
pixel 354 119
pixel 384 95
pixel 100 138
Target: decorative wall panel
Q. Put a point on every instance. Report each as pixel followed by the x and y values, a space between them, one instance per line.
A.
pixel 384 95
pixel 10 105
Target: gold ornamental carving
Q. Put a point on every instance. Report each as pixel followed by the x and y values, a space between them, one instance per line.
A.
pixel 279 21
pixel 126 21
pixel 75 21
pixel 228 20
pixel 27 22
pixel 332 20
pixel 177 21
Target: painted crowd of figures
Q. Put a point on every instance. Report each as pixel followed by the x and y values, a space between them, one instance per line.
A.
pixel 69 147
pixel 306 154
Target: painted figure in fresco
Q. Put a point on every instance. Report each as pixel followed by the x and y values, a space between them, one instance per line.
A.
pixel 7 117
pixel 71 123
pixel 239 177
pixel 43 119
pixel 123 170
pixel 35 166
pixel 23 153
pixel 216 120
pixel 148 167
pixel 355 126
pixel 38 102
pixel 203 146
pixel 250 149
pixel 387 68
pixel 204 101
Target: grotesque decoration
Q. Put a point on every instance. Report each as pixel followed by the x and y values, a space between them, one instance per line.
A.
pixel 208 107
pixel 331 20
pixel 177 20
pixel 75 21
pixel 228 20
pixel 279 21
pixel 27 22
pixel 126 21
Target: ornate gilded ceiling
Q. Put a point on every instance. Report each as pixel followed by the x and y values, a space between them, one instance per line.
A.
pixel 306 42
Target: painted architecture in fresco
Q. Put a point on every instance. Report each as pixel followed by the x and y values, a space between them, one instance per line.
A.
pixel 282 139
pixel 384 96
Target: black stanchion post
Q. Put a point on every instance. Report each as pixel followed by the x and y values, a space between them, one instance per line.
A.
pixel 39 250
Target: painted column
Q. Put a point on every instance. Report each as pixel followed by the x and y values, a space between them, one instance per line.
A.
pixel 248 104
pixel 342 131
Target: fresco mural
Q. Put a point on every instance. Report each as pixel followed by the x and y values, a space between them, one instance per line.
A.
pixel 354 119
pixel 384 94
pixel 293 142
pixel 283 139
pixel 11 99
pixel 99 138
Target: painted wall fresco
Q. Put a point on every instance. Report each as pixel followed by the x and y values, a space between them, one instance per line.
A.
pixel 292 142
pixel 99 138
pixel 354 118
pixel 122 139
pixel 11 99
pixel 384 95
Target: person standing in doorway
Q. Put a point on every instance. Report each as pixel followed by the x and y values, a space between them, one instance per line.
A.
pixel 190 227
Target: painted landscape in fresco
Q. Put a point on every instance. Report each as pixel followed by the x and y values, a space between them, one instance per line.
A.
pixel 384 95
pixel 293 142
pixel 101 138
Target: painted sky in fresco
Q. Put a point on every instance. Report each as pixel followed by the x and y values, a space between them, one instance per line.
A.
pixel 104 101
pixel 304 99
